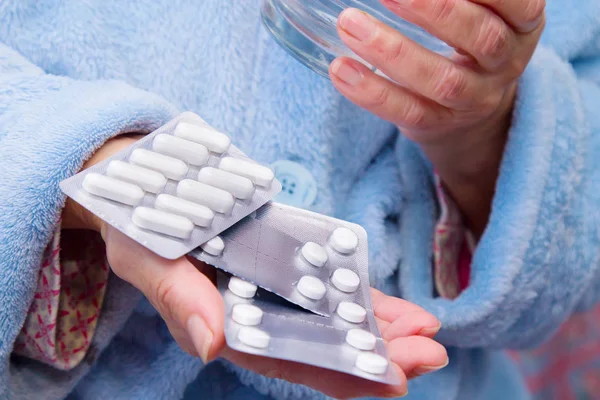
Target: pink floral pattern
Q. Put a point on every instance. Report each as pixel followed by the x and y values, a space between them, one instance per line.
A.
pixel 65 308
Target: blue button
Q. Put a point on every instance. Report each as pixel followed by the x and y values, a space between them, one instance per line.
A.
pixel 299 188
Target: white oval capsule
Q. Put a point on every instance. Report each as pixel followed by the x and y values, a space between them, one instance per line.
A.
pixel 200 215
pixel 254 337
pixel 246 314
pixel 346 280
pixel 150 181
pixel 242 288
pixel 112 189
pixel 214 198
pixel 361 339
pixel 344 241
pixel 371 363
pixel 214 246
pixel 259 174
pixel 190 152
pixel 351 312
pixel 240 187
pixel 311 287
pixel 314 254
pixel 214 140
pixel 162 222
pixel 170 167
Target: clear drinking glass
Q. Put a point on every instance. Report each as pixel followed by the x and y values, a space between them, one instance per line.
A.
pixel 307 28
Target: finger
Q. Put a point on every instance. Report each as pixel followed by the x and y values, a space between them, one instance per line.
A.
pixel 332 383
pixel 524 15
pixel 383 97
pixel 411 65
pixel 464 25
pixel 416 323
pixel 417 355
pixel 185 298
pixel 390 308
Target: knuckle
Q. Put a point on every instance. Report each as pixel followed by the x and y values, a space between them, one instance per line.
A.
pixel 380 98
pixel 490 103
pixel 452 84
pixel 533 10
pixel 164 297
pixel 395 52
pixel 493 40
pixel 442 10
pixel 414 116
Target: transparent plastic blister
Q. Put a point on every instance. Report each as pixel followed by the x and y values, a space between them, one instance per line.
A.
pixel 176 188
pixel 266 325
pixel 330 322
pixel 300 256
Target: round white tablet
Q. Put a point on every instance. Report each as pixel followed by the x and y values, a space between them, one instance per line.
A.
pixel 241 288
pixel 346 280
pixel 361 339
pixel 314 254
pixel 214 246
pixel 254 337
pixel 351 312
pixel 246 314
pixel 344 241
pixel 371 363
pixel 311 287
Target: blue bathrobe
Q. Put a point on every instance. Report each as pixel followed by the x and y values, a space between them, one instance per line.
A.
pixel 74 73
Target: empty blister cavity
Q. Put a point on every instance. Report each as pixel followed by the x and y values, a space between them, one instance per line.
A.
pixel 214 198
pixel 200 215
pixel 246 314
pixel 345 280
pixel 162 222
pixel 242 288
pixel 189 152
pixel 170 167
pixel 240 187
pixel 254 337
pixel 113 189
pixel 314 254
pixel 214 246
pixel 259 174
pixel 351 312
pixel 361 339
pixel 311 287
pixel 214 140
pixel 371 363
pixel 148 180
pixel 343 240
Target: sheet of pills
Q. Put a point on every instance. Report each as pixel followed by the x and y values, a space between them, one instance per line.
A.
pixel 176 188
pixel 260 322
pixel 314 261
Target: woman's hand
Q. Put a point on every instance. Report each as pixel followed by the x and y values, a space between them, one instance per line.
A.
pixel 184 293
pixel 457 109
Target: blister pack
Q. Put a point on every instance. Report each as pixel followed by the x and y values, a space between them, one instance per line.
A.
pixel 314 262
pixel 176 188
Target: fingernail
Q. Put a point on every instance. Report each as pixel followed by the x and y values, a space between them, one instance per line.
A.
pixel 201 336
pixel 394 395
pixel 426 369
pixel 103 231
pixel 358 24
pixel 430 331
pixel 345 72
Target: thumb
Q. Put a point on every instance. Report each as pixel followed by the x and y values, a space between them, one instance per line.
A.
pixel 186 298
